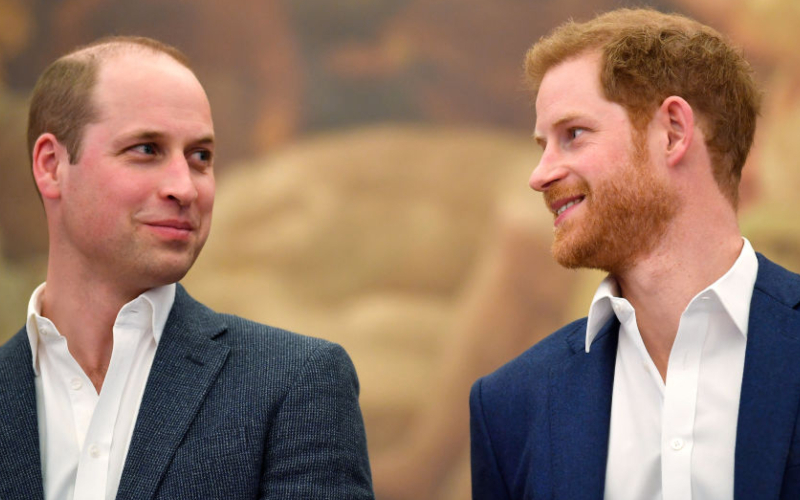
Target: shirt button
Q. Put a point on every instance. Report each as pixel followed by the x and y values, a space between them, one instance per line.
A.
pixel 676 443
pixel 76 384
pixel 94 451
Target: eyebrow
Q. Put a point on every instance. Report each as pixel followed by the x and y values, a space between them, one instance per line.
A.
pixel 152 135
pixel 207 140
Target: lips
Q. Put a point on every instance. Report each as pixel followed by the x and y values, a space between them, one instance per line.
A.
pixel 561 206
pixel 561 209
pixel 172 223
pixel 172 229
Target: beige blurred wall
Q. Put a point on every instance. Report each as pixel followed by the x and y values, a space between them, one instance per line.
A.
pixel 372 185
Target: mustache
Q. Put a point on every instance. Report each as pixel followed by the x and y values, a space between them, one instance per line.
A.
pixel 560 192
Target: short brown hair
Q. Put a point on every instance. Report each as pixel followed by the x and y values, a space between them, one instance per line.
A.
pixel 62 98
pixel 647 56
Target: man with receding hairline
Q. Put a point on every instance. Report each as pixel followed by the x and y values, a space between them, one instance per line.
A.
pixel 683 382
pixel 121 385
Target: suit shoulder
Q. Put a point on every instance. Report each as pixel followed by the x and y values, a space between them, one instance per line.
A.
pixel 548 352
pixel 266 359
pixel 778 283
pixel 15 346
pixel 256 347
pixel 535 363
pixel 254 336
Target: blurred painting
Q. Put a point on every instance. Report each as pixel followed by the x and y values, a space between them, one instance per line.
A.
pixel 372 185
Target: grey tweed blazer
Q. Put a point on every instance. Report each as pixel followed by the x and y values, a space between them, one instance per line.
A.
pixel 232 410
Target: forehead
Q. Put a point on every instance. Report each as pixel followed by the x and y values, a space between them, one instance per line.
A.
pixel 571 88
pixel 138 84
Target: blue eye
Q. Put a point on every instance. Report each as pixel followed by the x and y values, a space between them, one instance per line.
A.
pixel 201 157
pixel 146 149
pixel 575 132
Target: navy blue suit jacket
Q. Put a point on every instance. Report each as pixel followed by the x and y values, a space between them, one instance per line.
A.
pixel 232 410
pixel 540 423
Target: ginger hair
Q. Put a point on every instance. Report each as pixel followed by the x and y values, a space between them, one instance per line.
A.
pixel 647 56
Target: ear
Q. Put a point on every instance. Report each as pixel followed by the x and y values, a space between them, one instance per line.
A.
pixel 49 159
pixel 677 119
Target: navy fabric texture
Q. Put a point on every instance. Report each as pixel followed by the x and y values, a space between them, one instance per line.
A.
pixel 539 424
pixel 232 409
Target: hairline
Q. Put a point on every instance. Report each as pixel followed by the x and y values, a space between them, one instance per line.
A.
pixel 95 55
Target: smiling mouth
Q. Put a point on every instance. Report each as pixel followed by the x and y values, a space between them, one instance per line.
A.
pixel 560 208
pixel 565 207
pixel 172 230
pixel 172 224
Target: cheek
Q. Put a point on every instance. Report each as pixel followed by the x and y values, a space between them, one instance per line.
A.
pixel 205 195
pixel 91 216
pixel 92 197
pixel 609 164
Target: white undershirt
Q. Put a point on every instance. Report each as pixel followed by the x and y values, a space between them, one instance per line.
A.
pixel 83 436
pixel 676 441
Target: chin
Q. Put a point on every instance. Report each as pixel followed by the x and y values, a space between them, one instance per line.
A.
pixel 589 253
pixel 166 272
pixel 573 248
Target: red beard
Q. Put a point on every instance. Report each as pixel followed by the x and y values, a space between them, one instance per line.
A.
pixel 622 218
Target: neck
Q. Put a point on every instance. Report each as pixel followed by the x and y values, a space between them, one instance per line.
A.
pixel 84 309
pixel 695 253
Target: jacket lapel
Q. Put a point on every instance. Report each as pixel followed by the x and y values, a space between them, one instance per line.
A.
pixel 580 393
pixel 186 364
pixel 21 475
pixel 770 384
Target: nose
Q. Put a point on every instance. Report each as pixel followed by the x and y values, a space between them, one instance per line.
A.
pixel 178 183
pixel 549 171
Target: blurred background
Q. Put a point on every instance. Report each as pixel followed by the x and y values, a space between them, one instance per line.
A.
pixel 372 168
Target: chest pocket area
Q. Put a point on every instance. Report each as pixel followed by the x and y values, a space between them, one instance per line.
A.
pixel 225 463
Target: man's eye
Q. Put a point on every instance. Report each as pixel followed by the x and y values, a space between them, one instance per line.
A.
pixel 145 149
pixel 574 132
pixel 202 157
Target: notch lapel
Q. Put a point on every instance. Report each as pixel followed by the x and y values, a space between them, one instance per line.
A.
pixel 186 364
pixel 20 462
pixel 580 393
pixel 770 384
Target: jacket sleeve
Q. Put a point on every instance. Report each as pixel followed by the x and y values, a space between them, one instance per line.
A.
pixel 318 446
pixel 487 481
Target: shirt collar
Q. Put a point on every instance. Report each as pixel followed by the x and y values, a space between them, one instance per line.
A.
pixel 158 302
pixel 734 290
pixel 600 311
pixel 32 325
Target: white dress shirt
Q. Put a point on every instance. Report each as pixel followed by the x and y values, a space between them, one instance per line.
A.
pixel 84 436
pixel 676 440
